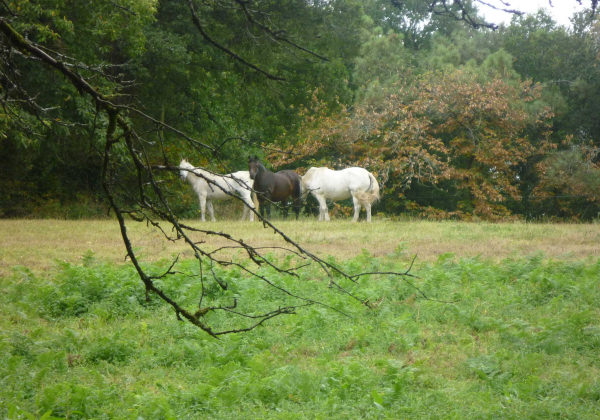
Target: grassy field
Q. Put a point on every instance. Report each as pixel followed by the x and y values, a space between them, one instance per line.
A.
pixel 38 244
pixel 520 340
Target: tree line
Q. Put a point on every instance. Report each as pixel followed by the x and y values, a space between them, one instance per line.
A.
pixel 458 119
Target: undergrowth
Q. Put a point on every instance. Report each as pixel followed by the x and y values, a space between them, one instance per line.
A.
pixel 520 339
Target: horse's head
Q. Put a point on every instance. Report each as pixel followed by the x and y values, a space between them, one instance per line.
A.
pixel 184 168
pixel 253 166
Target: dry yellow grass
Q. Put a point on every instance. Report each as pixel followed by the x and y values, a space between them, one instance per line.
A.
pixel 38 244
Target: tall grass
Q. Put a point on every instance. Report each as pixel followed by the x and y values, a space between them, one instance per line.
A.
pixel 520 340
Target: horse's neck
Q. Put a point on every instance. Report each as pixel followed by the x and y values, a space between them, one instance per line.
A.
pixel 186 168
pixel 262 169
pixel 238 180
pixel 203 174
pixel 205 177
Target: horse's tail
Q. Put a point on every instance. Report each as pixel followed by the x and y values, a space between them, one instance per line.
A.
pixel 371 194
pixel 297 182
pixel 374 187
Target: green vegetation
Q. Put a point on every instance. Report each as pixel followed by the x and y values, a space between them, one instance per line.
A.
pixel 520 340
pixel 456 120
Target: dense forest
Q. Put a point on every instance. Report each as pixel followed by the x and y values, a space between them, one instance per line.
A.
pixel 457 118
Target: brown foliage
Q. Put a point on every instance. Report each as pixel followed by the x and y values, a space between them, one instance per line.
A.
pixel 450 130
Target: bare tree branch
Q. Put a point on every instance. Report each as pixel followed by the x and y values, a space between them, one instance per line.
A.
pixel 276 35
pixel 152 206
pixel 227 51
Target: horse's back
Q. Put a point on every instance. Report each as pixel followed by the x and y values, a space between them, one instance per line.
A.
pixel 317 178
pixel 286 183
pixel 291 174
pixel 277 186
pixel 214 186
pixel 295 179
pixel 337 185
pixel 241 180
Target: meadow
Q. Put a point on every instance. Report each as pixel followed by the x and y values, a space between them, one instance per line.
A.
pixel 520 338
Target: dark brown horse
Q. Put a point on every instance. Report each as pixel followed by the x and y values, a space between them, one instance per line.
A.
pixel 275 187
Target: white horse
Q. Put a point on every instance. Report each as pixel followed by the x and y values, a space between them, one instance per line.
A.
pixel 219 187
pixel 325 183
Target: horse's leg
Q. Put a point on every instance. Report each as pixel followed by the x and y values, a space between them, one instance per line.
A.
pixel 248 205
pixel 323 211
pixel 285 209
pixel 367 206
pixel 211 210
pixel 245 209
pixel 255 204
pixel 297 206
pixel 261 204
pixel 202 199
pixel 356 208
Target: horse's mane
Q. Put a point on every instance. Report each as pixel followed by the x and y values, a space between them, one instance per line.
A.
pixel 198 172
pixel 262 167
